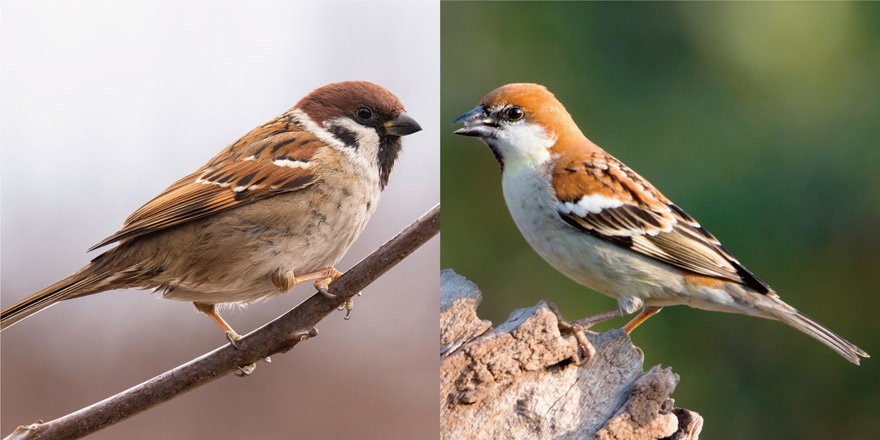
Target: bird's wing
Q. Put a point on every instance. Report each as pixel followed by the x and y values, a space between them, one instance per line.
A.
pixel 272 159
pixel 603 197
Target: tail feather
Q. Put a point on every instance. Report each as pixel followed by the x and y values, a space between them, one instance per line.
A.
pixel 822 334
pixel 80 283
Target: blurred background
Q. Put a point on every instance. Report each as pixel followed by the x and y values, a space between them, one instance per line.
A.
pixel 762 121
pixel 106 104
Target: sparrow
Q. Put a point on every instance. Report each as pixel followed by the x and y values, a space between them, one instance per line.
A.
pixel 278 207
pixel 606 227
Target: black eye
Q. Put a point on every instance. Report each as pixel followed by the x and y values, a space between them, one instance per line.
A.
pixel 364 113
pixel 514 113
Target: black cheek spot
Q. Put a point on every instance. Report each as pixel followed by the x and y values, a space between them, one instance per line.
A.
pixel 344 135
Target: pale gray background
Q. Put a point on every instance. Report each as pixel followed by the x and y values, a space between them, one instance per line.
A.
pixel 103 106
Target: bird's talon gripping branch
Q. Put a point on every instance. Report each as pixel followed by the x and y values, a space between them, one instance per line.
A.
pixel 323 291
pixel 583 342
pixel 324 278
pixel 310 334
pixel 349 306
pixel 246 370
pixel 232 336
pixel 576 329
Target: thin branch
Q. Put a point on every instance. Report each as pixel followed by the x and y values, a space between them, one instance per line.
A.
pixel 277 336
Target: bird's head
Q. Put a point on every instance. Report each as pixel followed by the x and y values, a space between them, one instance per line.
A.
pixel 362 119
pixel 521 123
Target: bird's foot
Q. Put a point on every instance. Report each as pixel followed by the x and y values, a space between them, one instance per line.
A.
pixel 348 306
pixel 577 329
pixel 584 343
pixel 246 370
pixel 324 278
pixel 232 336
pixel 306 335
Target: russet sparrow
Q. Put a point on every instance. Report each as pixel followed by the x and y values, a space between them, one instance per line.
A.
pixel 604 226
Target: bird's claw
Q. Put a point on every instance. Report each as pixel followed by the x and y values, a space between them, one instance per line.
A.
pixel 348 307
pixel 307 335
pixel 232 336
pixel 323 284
pixel 246 370
pixel 576 329
pixel 322 289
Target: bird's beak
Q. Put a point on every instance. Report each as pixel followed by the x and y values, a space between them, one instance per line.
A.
pixel 477 123
pixel 402 125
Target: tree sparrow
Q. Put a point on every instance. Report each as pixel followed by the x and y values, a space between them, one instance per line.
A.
pixel 278 207
pixel 604 226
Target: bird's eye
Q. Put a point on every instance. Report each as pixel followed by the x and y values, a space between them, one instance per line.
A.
pixel 514 113
pixel 364 113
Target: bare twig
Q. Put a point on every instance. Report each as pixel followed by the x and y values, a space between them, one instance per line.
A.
pixel 277 336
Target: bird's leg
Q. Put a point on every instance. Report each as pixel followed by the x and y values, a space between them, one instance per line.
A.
pixel 231 335
pixel 646 313
pixel 595 319
pixel 211 311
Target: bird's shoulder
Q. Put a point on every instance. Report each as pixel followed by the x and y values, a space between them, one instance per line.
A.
pixel 601 196
pixel 274 158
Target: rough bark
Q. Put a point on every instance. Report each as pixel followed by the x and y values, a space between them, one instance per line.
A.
pixel 520 380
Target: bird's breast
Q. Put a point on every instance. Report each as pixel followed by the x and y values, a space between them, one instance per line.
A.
pixel 586 259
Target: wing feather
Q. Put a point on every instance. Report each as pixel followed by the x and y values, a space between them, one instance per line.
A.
pixel 272 159
pixel 604 198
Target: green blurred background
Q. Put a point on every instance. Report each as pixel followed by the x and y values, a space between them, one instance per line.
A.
pixel 761 120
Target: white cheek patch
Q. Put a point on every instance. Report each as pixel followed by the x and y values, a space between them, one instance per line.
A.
pixel 366 138
pixel 592 204
pixel 366 151
pixel 524 138
pixel 522 146
pixel 303 120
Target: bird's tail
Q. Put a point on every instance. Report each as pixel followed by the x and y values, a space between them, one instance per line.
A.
pixel 821 333
pixel 81 283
